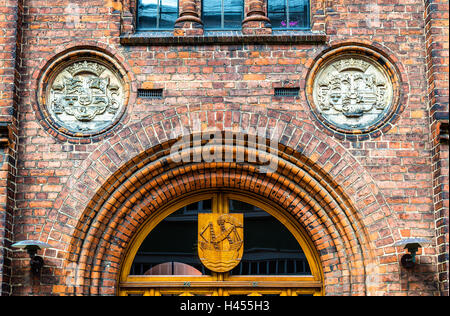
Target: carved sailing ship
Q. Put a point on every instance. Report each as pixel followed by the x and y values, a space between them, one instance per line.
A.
pixel 220 241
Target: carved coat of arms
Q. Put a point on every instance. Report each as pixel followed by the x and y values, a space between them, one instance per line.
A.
pixel 85 96
pixel 220 241
pixel 352 92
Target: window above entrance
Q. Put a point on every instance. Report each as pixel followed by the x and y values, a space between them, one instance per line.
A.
pixel 171 248
pixel 190 242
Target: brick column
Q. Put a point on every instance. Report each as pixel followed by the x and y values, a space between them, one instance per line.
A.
pixel 127 23
pixel 189 22
pixel 10 42
pixel 256 20
pixel 6 211
pixel 437 32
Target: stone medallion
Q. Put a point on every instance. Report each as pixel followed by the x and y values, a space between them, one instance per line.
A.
pixel 84 96
pixel 352 93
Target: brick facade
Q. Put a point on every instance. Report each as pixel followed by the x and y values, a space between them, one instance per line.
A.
pixel 356 195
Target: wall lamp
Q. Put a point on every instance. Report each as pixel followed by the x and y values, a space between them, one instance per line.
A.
pixel 32 247
pixel 412 244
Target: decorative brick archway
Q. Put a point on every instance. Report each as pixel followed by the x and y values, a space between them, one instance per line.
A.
pixel 131 176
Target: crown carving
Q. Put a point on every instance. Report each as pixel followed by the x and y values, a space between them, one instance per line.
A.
pixel 344 64
pixel 86 66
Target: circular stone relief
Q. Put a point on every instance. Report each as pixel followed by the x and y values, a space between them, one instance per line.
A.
pixel 83 96
pixel 353 93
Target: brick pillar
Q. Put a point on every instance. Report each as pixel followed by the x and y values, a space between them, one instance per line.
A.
pixel 437 32
pixel 256 20
pixel 11 12
pixel 189 22
pixel 127 23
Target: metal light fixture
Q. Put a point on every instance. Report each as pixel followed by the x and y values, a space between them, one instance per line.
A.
pixel 412 244
pixel 32 247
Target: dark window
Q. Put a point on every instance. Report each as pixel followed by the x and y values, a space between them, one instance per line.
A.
pixel 276 253
pixel 171 248
pixel 156 14
pixel 222 14
pixel 289 14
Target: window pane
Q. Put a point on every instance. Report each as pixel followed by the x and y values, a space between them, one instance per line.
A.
pixel 277 12
pixel 278 20
pixel 157 14
pixel 234 12
pixel 169 14
pixel 231 18
pixel 288 14
pixel 147 14
pixel 298 13
pixel 212 14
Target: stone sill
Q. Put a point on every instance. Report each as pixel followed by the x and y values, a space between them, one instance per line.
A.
pixel 211 38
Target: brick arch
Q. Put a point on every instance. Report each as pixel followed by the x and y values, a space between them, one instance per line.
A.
pixel 130 177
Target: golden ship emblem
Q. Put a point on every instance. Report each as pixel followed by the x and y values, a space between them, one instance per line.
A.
pixel 220 241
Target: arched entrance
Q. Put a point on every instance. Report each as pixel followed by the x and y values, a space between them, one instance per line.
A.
pixel 278 258
pixel 143 189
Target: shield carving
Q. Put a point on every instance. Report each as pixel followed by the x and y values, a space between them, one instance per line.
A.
pixel 220 240
pixel 86 97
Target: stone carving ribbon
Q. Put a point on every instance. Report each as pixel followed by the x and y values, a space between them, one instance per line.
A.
pixel 352 92
pixel 85 96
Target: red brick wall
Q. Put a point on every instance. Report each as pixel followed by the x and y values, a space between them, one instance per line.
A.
pixel 386 179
